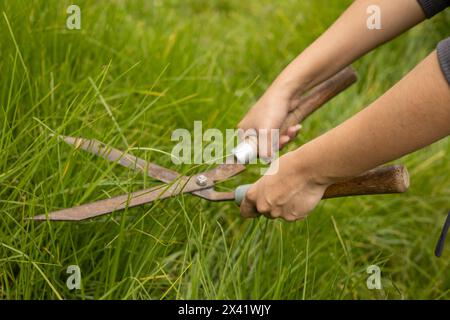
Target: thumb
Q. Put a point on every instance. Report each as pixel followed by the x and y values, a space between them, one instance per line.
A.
pixel 248 206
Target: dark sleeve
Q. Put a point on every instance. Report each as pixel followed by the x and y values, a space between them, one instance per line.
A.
pixel 432 7
pixel 443 52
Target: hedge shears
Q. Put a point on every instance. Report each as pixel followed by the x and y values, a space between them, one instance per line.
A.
pixel 383 180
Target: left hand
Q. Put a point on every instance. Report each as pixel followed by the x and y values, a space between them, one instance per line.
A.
pixel 289 190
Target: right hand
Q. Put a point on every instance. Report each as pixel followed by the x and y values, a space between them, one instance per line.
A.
pixel 269 112
pixel 290 190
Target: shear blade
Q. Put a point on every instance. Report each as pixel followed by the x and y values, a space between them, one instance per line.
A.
pixel 172 187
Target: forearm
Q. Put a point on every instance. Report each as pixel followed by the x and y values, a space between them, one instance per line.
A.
pixel 411 115
pixel 345 41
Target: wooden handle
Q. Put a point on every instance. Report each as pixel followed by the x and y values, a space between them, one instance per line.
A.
pixel 383 180
pixel 246 151
pixel 318 96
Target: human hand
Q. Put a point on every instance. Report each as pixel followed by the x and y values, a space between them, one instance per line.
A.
pixel 269 113
pixel 290 193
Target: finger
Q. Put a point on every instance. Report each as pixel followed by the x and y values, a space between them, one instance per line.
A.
pixel 290 135
pixel 293 131
pixel 264 144
pixel 289 218
pixel 264 209
pixel 292 217
pixel 248 205
pixel 276 213
pixel 248 209
pixel 284 140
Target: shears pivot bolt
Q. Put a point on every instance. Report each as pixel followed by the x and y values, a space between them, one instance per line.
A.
pixel 202 180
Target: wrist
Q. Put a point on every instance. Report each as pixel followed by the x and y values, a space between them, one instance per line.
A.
pixel 298 77
pixel 289 87
pixel 283 95
pixel 312 167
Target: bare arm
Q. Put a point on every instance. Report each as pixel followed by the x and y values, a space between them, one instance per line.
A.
pixel 348 39
pixel 411 115
pixel 345 41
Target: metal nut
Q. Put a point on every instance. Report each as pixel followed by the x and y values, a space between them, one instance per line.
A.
pixel 202 180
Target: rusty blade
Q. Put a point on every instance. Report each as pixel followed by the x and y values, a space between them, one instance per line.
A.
pixel 221 172
pixel 173 187
pixel 226 170
pixel 101 207
pixel 123 158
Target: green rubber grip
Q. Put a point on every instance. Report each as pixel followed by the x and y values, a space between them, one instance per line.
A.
pixel 240 192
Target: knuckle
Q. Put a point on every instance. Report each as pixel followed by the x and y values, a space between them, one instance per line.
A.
pixel 276 213
pixel 263 207
pixel 251 195
pixel 292 217
pixel 289 218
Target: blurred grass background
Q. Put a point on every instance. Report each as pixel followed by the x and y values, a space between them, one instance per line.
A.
pixel 136 71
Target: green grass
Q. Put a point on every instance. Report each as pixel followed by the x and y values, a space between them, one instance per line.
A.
pixel 136 71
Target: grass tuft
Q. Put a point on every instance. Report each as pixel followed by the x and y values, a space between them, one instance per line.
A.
pixel 136 71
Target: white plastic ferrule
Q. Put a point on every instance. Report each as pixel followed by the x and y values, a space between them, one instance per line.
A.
pixel 245 152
